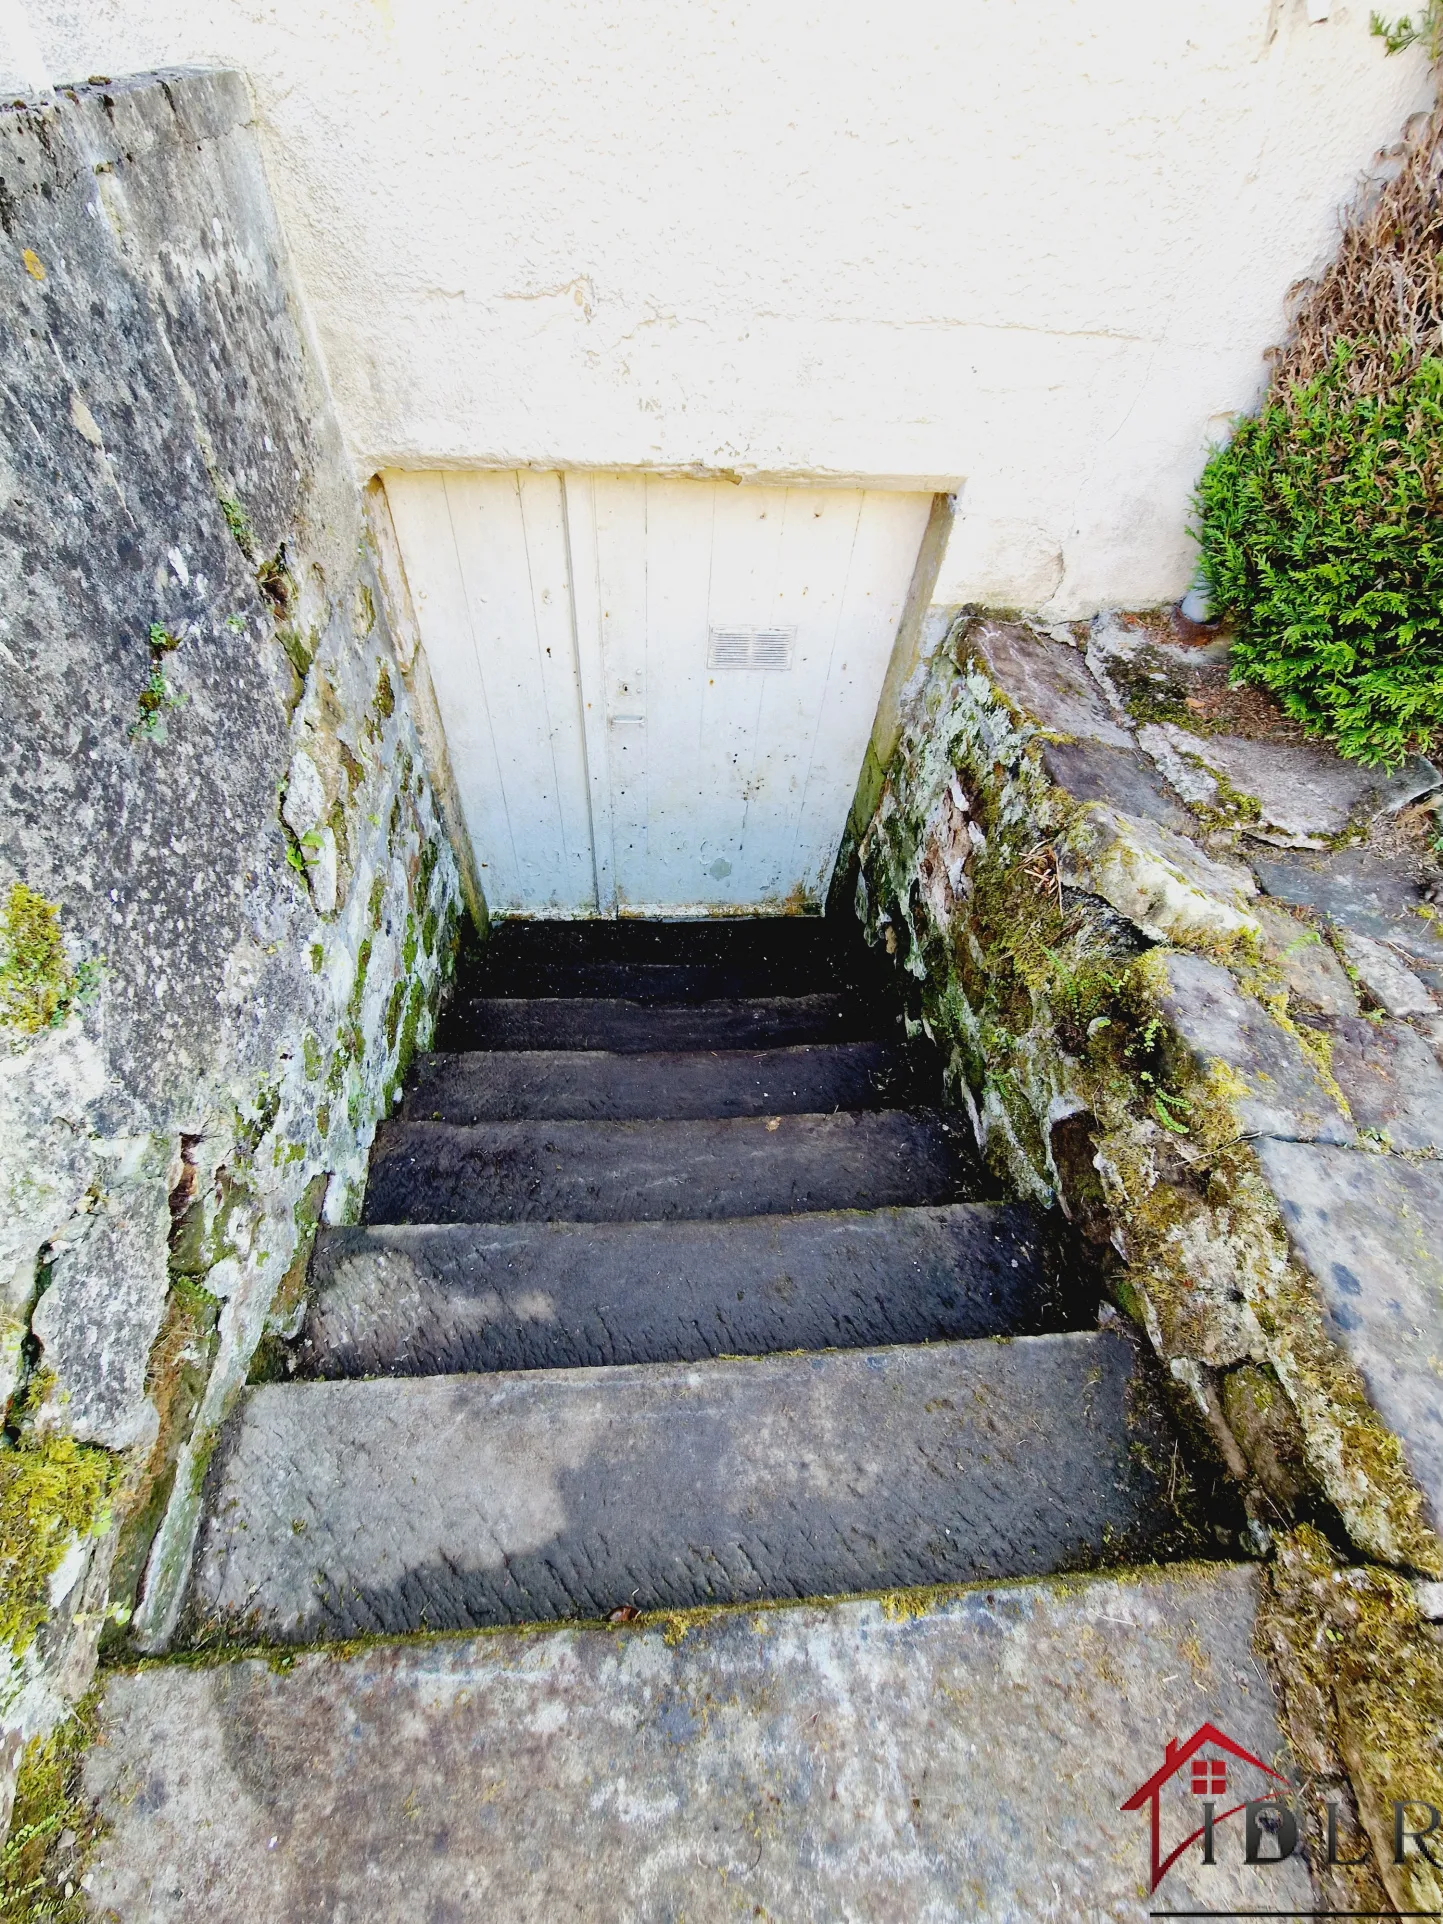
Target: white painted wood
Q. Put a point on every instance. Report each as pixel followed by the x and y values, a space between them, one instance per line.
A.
pixel 603 763
pixel 487 559
pixel 730 788
pixel 579 498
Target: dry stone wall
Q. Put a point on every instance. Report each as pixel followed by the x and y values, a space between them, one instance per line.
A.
pixel 227 903
pixel 1187 979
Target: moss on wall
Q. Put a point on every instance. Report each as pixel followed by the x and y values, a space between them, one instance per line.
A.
pixel 1050 1010
pixel 39 985
pixel 54 1492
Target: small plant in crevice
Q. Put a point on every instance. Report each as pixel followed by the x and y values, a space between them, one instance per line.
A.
pixel 158 696
pixel 302 850
pixel 1164 1105
pixel 276 583
pixel 53 1827
pixel 238 521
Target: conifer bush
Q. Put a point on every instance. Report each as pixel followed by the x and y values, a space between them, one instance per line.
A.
pixel 1321 522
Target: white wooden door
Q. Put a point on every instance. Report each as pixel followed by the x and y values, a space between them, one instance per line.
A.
pixel 657 694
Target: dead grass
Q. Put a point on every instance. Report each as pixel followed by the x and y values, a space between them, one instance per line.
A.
pixel 1383 293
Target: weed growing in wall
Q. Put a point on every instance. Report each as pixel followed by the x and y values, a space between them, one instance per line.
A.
pixel 1423 28
pixel 157 696
pixel 53 1828
pixel 53 1490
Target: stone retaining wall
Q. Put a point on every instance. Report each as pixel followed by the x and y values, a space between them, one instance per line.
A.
pixel 1185 969
pixel 226 899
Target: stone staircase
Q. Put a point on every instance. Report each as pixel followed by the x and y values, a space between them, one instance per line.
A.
pixel 675 1288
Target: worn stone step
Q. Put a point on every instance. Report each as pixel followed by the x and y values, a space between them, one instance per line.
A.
pixel 441 1172
pixel 651 981
pixel 923 1758
pixel 437 1300
pixel 608 1022
pixel 440 1502
pixel 506 1772
pixel 770 944
pixel 554 1085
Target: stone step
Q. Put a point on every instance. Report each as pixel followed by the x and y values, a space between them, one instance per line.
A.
pixel 606 1022
pixel 492 1172
pixel 658 981
pixel 343 1509
pixel 920 1757
pixel 578 1085
pixel 439 1300
pixel 769 945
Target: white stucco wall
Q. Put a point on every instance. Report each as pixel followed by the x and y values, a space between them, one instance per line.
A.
pixel 1036 245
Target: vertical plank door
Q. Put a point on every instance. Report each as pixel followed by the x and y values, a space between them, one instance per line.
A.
pixel 488 567
pixel 656 693
pixel 744 635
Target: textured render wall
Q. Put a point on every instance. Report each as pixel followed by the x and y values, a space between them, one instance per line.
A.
pixel 1037 247
pixel 257 879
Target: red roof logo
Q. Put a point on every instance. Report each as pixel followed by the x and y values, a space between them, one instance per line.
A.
pixel 1208 1777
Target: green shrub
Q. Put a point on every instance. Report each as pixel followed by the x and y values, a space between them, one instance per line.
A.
pixel 1321 535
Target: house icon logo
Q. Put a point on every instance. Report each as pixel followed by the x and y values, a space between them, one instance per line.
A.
pixel 1203 1763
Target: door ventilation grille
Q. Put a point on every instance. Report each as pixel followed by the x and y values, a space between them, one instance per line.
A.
pixel 750 647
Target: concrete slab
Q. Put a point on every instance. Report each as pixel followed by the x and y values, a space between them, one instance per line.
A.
pixel 447 1502
pixel 810 1763
pixel 433 1172
pixel 1369 1228
pixel 441 1300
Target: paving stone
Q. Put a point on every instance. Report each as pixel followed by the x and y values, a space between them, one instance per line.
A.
pixel 1160 881
pixel 1369 1228
pixel 504 1085
pixel 1093 771
pixel 437 1172
pixel 814 1763
pixel 1050 681
pixel 100 1315
pixel 444 1502
pixel 1391 1080
pixel 1359 890
pixel 1167 746
pixel 1386 977
pixel 1286 1096
pixel 491 1296
pixel 1314 975
pixel 1305 793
